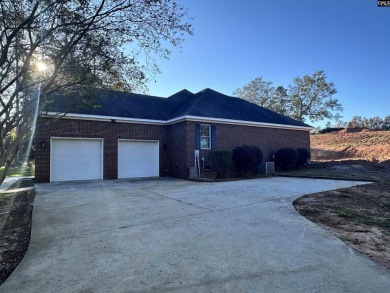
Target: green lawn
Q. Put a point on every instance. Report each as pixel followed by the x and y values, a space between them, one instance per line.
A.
pixel 19 171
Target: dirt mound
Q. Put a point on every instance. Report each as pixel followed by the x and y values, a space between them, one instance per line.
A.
pixel 343 145
pixel 354 129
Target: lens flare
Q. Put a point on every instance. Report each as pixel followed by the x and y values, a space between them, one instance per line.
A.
pixel 42 66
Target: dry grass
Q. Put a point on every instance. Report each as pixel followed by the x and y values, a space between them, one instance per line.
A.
pixel 363 145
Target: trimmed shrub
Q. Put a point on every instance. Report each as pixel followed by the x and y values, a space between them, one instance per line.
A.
pixel 221 162
pixel 303 157
pixel 247 159
pixel 286 159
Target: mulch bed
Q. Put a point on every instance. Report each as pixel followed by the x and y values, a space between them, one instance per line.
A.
pixel 15 225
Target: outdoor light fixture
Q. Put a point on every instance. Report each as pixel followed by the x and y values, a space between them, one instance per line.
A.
pixel 43 144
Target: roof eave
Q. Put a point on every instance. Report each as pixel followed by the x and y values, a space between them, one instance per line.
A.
pixel 172 121
pixel 237 122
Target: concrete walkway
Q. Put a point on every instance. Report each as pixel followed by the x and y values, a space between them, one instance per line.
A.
pixel 8 181
pixel 175 235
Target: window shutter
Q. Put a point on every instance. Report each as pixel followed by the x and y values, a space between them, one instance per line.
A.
pixel 197 136
pixel 213 137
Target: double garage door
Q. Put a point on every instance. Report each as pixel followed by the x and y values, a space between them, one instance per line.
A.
pixel 82 159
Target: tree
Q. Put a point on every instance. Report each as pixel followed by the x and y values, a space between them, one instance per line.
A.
pixel 308 98
pixel 312 98
pixel 281 102
pixel 357 122
pixel 59 46
pixel 341 124
pixel 375 123
pixel 386 123
pixel 257 91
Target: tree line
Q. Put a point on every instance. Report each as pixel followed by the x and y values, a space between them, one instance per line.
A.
pixel 374 123
pixel 308 99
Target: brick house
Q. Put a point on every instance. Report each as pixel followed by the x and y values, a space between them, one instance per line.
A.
pixel 125 135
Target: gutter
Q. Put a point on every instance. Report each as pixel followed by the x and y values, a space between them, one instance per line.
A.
pixel 173 121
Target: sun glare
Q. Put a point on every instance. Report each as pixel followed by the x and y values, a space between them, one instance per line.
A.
pixel 42 66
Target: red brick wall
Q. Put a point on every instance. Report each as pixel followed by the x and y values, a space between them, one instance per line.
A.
pixel 177 146
pixel 109 131
pixel 177 142
pixel 269 140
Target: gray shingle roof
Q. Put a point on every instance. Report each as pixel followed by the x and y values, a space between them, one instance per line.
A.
pixel 206 103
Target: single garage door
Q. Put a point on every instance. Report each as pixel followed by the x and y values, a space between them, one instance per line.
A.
pixel 76 159
pixel 138 159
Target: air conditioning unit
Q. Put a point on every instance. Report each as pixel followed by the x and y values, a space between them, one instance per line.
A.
pixel 192 173
pixel 270 168
pixel 267 168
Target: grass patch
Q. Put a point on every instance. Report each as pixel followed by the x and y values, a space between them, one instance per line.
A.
pixel 345 213
pixel 385 223
pixel 19 171
pixel 364 219
pixel 357 241
pixel 3 200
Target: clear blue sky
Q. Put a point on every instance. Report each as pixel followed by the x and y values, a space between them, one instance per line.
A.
pixel 236 41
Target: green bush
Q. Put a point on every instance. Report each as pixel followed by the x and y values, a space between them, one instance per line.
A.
pixel 221 162
pixel 286 159
pixel 247 159
pixel 303 157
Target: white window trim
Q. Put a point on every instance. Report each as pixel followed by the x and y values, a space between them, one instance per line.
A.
pixel 200 136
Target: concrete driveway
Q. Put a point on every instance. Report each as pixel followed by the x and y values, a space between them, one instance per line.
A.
pixel 176 235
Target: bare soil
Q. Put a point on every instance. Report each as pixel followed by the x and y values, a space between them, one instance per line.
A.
pixel 359 215
pixel 346 145
pixel 15 227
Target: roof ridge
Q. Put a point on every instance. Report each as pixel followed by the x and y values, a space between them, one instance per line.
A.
pixel 194 98
pixel 125 93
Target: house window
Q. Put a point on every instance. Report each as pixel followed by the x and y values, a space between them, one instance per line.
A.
pixel 205 136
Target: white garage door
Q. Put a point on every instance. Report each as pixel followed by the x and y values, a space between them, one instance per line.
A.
pixel 76 159
pixel 138 159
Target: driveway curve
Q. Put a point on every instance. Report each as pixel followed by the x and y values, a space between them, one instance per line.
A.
pixel 176 235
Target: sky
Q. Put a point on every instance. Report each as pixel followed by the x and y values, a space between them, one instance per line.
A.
pixel 236 41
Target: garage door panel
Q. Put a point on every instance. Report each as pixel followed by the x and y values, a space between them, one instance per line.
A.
pixel 76 159
pixel 70 176
pixel 138 159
